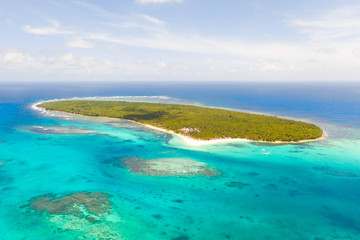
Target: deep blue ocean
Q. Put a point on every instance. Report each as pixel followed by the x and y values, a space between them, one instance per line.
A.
pixel 52 184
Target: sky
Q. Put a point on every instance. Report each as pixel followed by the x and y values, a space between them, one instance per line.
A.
pixel 179 40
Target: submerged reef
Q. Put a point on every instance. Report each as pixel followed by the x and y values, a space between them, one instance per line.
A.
pixel 239 185
pixel 82 215
pixel 168 167
pixel 87 205
pixel 60 130
pixel 334 172
pixel 3 161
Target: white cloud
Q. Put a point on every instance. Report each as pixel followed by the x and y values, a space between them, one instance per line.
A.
pixel 87 61
pixel 326 50
pixel 334 46
pixel 9 22
pixel 66 57
pixel 17 60
pixel 80 43
pixel 54 29
pixel 114 47
pixel 356 52
pixel 341 23
pixel 98 10
pixel 151 19
pixel 157 1
pixel 13 55
pixel 167 40
pixel 161 64
pixel 268 67
pixel 231 70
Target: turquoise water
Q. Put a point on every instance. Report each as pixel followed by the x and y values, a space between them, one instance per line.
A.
pixel 263 191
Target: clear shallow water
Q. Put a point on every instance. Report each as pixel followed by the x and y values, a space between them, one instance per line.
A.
pixel 291 191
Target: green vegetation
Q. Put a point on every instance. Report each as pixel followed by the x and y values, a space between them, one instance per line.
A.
pixel 193 121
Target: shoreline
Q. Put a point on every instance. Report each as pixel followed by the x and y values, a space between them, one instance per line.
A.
pixel 197 142
pixel 186 139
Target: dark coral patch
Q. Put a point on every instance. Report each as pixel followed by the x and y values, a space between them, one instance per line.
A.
pixel 334 172
pixel 83 205
pixel 271 186
pixel 183 237
pixel 239 185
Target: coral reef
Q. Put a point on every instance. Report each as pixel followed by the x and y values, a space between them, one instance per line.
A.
pixel 168 167
pixel 90 206
pixel 60 130
pixel 335 173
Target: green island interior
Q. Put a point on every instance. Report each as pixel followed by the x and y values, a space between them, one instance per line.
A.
pixel 201 123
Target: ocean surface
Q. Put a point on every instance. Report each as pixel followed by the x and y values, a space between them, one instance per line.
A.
pixel 70 177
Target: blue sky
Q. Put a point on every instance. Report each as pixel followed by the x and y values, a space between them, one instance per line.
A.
pixel 179 40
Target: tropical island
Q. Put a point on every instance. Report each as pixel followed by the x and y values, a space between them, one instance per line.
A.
pixel 200 123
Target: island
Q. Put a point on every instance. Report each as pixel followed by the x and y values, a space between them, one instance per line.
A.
pixel 195 122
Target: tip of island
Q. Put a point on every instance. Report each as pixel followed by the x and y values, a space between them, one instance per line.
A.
pixel 196 125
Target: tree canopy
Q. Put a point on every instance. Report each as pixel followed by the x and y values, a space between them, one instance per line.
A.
pixel 197 122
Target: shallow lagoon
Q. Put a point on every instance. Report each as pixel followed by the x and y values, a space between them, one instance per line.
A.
pixel 263 191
